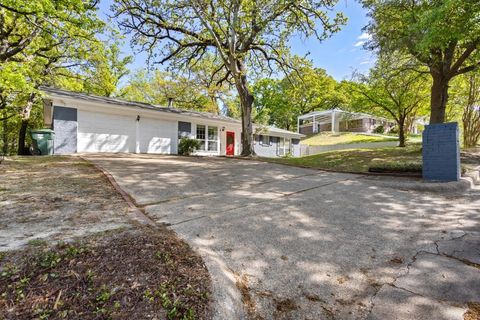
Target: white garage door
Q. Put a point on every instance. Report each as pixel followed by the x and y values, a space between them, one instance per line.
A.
pixel 100 132
pixel 157 136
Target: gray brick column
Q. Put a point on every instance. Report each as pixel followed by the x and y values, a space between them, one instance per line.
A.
pixel 441 152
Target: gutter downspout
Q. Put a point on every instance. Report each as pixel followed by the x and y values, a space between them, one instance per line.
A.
pixel 137 134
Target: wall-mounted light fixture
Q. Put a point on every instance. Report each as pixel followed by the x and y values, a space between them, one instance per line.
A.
pixel 138 118
pixel 223 129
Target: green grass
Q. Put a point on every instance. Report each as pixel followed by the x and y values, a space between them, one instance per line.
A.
pixel 357 160
pixel 360 160
pixel 328 138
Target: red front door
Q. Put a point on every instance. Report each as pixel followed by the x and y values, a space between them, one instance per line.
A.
pixel 230 143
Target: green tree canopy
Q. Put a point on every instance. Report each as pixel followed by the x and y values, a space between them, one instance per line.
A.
pixel 44 42
pixel 280 101
pixel 158 87
pixel 444 36
pixel 393 91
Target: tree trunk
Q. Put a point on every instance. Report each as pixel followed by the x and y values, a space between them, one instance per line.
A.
pixel 5 134
pixel 24 124
pixel 438 98
pixel 471 115
pixel 471 127
pixel 21 137
pixel 246 103
pixel 401 133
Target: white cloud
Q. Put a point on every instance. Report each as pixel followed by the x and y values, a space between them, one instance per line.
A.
pixel 370 61
pixel 365 36
pixel 362 39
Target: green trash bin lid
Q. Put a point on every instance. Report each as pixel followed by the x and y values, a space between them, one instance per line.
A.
pixel 42 134
pixel 42 131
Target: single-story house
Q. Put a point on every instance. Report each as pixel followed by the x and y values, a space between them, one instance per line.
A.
pixel 88 123
pixel 337 120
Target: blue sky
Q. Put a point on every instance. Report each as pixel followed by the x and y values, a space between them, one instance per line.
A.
pixel 339 55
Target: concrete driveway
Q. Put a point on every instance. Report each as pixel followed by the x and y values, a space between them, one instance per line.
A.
pixel 291 243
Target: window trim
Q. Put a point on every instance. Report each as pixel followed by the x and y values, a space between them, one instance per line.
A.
pixel 282 149
pixel 262 140
pixel 205 141
pixel 215 140
pixel 202 140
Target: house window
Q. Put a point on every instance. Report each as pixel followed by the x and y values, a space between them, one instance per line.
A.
pixel 184 129
pixel 283 146
pixel 265 140
pixel 212 139
pixel 201 136
pixel 287 146
pixel 208 137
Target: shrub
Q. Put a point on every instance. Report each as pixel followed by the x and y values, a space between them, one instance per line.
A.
pixel 187 146
pixel 379 129
pixel 288 155
pixel 397 166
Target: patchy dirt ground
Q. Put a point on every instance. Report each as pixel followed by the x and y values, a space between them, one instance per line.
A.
pixel 69 250
pixel 55 198
pixel 141 274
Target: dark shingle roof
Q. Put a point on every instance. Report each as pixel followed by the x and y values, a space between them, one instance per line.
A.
pixel 126 103
pixel 122 102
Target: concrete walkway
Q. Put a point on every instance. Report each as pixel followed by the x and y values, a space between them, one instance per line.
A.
pixel 291 243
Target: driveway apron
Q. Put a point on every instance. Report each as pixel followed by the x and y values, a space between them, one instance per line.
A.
pixel 292 243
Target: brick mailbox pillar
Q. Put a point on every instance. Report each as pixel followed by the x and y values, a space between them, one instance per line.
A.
pixel 441 152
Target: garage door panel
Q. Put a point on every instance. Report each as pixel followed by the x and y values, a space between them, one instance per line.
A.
pixel 157 136
pixel 98 132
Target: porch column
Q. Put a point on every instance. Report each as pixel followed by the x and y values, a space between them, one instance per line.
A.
pixel 220 132
pixel 333 121
pixel 314 127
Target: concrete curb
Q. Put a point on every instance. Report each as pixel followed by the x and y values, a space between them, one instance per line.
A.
pixel 377 174
pixel 473 175
pixel 463 185
pixel 411 182
pixel 135 213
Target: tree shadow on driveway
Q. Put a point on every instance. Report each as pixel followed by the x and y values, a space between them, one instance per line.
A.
pixel 302 243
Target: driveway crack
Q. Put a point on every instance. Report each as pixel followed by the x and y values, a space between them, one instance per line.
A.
pixel 281 195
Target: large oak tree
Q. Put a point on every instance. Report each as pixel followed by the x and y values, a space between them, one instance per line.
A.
pixel 444 35
pixel 41 42
pixel 243 35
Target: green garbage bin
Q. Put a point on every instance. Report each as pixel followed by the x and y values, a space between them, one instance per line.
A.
pixel 43 141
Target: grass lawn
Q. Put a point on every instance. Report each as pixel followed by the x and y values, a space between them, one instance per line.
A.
pixel 357 160
pixel 360 160
pixel 328 138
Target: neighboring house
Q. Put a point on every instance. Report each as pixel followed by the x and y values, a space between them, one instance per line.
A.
pixel 87 123
pixel 336 120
